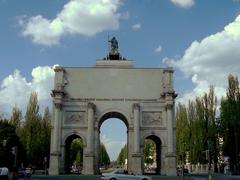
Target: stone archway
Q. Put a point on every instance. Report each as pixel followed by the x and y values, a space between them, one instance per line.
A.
pixel 143 98
pixel 108 115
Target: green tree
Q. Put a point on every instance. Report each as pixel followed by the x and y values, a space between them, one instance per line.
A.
pixel 197 129
pixel 149 151
pixel 16 117
pixel 182 132
pixel 230 123
pixel 44 135
pixel 77 151
pixel 122 155
pixel 8 139
pixel 30 135
pixel 104 159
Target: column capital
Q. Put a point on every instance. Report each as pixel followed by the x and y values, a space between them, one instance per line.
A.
pixel 169 105
pixel 136 106
pixel 58 96
pixel 91 105
pixel 58 105
pixel 169 94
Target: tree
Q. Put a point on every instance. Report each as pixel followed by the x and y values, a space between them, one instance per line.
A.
pixel 182 132
pixel 149 151
pixel 45 135
pixel 77 151
pixel 197 130
pixel 8 140
pixel 122 155
pixel 230 123
pixel 30 135
pixel 104 159
pixel 16 117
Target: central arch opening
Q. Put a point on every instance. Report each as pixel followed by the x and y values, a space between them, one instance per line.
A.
pixel 113 129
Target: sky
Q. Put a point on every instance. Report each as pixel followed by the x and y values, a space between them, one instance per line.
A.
pixel 200 39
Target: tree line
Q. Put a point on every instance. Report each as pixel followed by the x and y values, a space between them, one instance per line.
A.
pixel 203 135
pixel 25 140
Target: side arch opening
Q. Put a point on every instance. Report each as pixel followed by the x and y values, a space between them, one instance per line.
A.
pixel 152 155
pixel 73 154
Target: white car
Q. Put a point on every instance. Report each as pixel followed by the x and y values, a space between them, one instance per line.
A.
pixel 120 174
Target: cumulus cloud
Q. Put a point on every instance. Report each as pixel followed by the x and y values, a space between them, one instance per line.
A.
pixel 136 26
pixel 83 17
pixel 158 49
pixel 15 89
pixel 183 3
pixel 113 147
pixel 211 60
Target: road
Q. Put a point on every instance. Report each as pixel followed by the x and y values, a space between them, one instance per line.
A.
pixel 187 177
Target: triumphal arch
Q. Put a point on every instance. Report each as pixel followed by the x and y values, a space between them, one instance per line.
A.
pixel 143 98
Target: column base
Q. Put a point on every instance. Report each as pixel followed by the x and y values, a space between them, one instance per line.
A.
pixel 171 168
pixel 88 167
pixel 54 163
pixel 137 163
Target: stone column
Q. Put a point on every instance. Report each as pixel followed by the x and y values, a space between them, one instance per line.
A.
pixel 137 155
pixel 89 155
pixel 170 156
pixel 170 127
pixel 136 112
pixel 55 148
pixel 90 135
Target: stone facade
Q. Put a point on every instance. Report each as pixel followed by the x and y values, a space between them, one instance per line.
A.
pixel 143 98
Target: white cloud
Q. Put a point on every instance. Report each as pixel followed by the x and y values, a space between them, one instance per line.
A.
pixel 136 26
pixel 210 61
pixel 183 3
pixel 83 17
pixel 15 89
pixel 113 147
pixel 158 49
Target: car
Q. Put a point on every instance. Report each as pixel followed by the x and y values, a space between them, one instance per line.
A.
pixel 121 174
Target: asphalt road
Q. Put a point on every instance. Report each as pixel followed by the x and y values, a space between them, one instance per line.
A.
pixel 187 177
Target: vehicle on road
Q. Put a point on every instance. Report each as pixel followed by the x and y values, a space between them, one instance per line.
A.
pixel 121 174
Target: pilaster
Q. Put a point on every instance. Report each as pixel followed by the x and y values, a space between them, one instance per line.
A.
pixel 89 155
pixel 136 119
pixel 58 95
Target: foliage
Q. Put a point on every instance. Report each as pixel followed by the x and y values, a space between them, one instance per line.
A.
pixel 8 139
pixel 16 117
pixel 33 132
pixel 77 151
pixel 230 123
pixel 149 151
pixel 104 159
pixel 197 129
pixel 122 155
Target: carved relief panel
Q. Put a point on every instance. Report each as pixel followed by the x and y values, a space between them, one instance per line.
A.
pixel 75 117
pixel 152 119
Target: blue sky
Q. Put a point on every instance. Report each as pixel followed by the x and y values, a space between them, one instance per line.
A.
pixel 199 38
